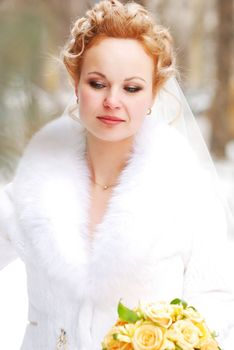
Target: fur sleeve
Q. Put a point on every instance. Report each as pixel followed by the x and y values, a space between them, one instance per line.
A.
pixel 7 251
pixel 209 282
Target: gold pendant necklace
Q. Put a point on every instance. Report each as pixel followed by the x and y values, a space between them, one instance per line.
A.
pixel 104 187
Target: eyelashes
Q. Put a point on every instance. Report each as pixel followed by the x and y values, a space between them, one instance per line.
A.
pixel 99 85
pixel 133 89
pixel 96 84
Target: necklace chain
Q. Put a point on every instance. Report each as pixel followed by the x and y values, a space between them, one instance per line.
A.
pixel 104 187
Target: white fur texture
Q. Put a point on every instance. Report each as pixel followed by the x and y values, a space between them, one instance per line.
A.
pixel 162 235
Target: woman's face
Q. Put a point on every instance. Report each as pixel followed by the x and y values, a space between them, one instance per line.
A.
pixel 115 82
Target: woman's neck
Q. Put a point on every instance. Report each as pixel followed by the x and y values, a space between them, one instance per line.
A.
pixel 106 159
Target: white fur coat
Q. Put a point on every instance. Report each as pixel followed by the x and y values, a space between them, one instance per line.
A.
pixel 162 236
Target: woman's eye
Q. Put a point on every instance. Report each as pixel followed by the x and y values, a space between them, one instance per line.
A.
pixel 96 84
pixel 133 88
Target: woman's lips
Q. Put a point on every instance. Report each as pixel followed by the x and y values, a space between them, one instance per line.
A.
pixel 110 120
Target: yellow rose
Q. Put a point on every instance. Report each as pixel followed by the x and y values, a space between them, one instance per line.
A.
pixel 114 340
pixel 176 312
pixel 210 344
pixel 193 315
pixel 147 337
pixel 185 334
pixel 204 330
pixel 168 345
pixel 116 345
pixel 158 313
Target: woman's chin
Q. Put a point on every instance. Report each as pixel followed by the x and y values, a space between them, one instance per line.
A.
pixel 110 136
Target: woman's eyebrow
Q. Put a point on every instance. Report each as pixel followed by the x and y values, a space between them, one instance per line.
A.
pixel 127 79
pixel 135 78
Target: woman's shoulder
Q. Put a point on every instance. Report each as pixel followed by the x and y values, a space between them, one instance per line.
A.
pixel 57 137
pixel 172 146
pixel 56 132
pixel 54 144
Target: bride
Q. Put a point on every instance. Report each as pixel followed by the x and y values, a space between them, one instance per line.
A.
pixel 114 202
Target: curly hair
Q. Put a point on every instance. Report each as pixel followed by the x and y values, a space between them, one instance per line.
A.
pixel 111 18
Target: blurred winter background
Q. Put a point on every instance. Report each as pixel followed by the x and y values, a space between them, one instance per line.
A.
pixel 34 89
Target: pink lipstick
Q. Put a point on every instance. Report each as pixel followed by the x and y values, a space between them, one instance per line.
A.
pixel 110 120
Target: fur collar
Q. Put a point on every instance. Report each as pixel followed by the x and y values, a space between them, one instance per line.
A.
pixel 51 191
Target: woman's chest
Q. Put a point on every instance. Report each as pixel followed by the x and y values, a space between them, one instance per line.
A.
pixel 99 200
pixel 133 230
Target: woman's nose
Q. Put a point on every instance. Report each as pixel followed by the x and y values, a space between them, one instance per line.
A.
pixel 112 100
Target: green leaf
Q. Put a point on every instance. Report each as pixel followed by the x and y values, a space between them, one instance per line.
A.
pixel 178 301
pixel 192 307
pixel 115 336
pixel 177 347
pixel 126 314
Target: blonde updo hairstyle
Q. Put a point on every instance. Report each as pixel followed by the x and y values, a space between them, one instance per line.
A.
pixel 127 21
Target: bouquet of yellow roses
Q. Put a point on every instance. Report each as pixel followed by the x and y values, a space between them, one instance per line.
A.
pixel 160 326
